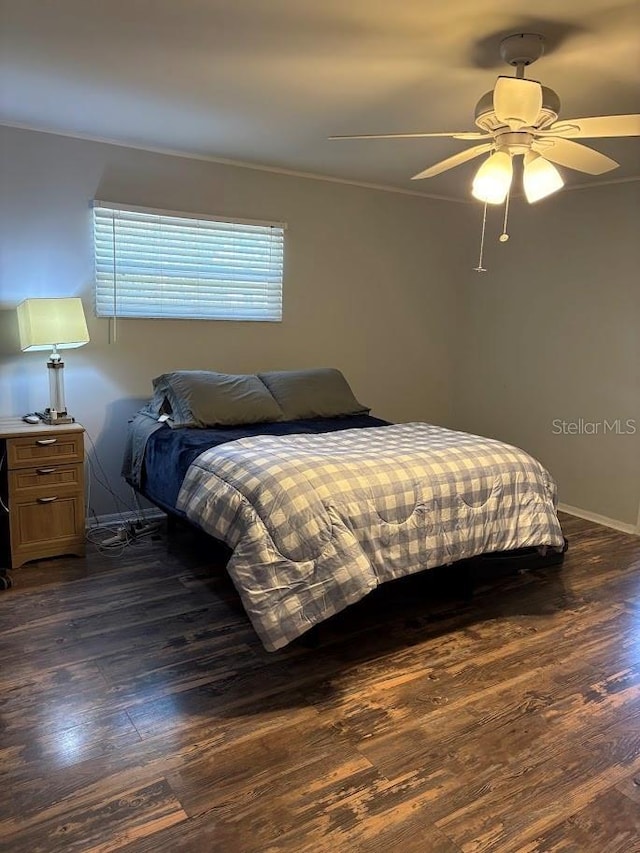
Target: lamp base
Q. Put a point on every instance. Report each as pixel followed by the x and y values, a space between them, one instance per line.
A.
pixel 53 418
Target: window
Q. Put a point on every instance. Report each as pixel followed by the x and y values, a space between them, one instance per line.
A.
pixel 154 263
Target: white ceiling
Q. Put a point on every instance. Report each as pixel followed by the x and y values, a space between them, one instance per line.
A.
pixel 266 81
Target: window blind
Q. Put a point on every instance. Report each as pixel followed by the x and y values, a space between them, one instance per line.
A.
pixel 161 264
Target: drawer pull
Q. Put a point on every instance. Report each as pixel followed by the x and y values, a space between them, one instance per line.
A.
pixel 46 470
pixel 44 441
pixel 47 500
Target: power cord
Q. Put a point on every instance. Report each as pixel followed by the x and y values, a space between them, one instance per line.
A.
pixel 103 480
pixel 122 537
pixel 113 539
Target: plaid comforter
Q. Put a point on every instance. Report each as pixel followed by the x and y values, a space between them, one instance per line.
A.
pixel 318 521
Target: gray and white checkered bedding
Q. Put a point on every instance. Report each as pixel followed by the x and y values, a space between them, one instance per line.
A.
pixel 318 521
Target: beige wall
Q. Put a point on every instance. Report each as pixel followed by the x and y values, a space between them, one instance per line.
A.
pixel 370 284
pixel 378 284
pixel 552 332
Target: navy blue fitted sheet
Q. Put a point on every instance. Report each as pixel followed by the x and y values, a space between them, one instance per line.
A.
pixel 169 452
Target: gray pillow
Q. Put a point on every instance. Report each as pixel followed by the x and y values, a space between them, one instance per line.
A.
pixel 318 393
pixel 202 398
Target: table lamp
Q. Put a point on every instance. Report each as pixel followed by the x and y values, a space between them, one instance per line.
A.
pixel 53 324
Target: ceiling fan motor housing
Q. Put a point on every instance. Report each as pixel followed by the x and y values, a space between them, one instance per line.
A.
pixel 522 48
pixel 486 119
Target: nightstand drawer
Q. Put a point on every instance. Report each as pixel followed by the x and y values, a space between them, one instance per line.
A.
pixel 46 527
pixel 59 449
pixel 45 480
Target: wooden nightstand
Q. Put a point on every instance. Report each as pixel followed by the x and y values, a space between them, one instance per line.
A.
pixel 42 489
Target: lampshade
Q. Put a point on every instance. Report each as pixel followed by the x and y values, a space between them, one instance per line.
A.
pixel 493 178
pixel 44 323
pixel 541 178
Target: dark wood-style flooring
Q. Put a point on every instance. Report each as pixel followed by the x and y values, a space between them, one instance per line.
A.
pixel 139 712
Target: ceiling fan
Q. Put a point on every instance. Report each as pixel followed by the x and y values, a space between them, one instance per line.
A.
pixel 520 117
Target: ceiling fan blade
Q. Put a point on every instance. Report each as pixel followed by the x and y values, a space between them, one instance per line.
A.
pixel 461 135
pixel 471 135
pixel 457 160
pixel 516 101
pixel 598 126
pixel 574 155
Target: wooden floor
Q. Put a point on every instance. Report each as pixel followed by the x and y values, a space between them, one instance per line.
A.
pixel 139 712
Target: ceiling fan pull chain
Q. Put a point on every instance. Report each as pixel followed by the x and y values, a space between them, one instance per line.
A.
pixel 504 236
pixel 480 268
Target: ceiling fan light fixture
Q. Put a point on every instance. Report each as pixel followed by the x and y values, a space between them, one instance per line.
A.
pixel 493 179
pixel 540 178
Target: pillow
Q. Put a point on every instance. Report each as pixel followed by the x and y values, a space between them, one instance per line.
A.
pixel 319 393
pixel 201 398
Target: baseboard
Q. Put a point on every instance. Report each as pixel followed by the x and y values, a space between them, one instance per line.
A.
pixel 599 519
pixel 115 519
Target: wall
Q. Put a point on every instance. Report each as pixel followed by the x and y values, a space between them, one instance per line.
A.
pixel 370 285
pixel 378 284
pixel 551 333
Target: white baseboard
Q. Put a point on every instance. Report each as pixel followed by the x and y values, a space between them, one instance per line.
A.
pixel 115 519
pixel 599 519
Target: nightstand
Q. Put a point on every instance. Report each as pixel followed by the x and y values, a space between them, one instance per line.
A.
pixel 42 489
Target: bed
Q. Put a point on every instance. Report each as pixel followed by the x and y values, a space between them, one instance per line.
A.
pixel 320 502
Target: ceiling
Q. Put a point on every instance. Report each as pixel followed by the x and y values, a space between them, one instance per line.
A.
pixel 265 83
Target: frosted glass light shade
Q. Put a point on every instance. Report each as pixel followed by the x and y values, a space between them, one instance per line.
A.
pixel 493 179
pixel 541 178
pixel 45 323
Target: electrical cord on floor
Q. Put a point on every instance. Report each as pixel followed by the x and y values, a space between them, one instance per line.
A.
pixel 114 538
pixel 118 539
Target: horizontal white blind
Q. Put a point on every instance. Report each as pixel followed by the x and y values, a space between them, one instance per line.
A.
pixel 166 265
